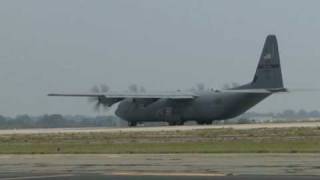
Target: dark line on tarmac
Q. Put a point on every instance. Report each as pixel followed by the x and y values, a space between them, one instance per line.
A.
pixel 14 176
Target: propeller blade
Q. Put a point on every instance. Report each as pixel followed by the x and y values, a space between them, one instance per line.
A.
pixel 142 89
pixel 97 107
pixel 200 87
pixel 95 89
pixel 92 99
pixel 106 107
pixel 104 88
pixel 133 88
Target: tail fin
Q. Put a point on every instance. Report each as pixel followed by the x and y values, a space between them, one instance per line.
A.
pixel 268 74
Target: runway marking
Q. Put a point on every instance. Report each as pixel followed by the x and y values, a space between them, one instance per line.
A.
pixel 166 174
pixel 38 177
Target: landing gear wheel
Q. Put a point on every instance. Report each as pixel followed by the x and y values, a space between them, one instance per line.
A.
pixel 180 123
pixel 204 122
pixel 132 124
pixel 172 123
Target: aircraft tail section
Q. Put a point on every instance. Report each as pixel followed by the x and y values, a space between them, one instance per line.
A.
pixel 268 74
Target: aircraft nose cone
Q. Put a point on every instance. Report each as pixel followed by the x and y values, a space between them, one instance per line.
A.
pixel 118 112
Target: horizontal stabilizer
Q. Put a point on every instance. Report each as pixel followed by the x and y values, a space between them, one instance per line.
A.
pixel 254 91
pixel 268 91
pixel 303 90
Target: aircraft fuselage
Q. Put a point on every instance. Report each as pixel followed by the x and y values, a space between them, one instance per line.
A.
pixel 207 107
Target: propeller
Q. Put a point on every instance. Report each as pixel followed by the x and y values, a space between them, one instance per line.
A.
pixel 230 85
pixel 99 101
pixel 134 88
pixel 200 87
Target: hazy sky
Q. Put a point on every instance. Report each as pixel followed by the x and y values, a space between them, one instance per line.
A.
pixel 69 46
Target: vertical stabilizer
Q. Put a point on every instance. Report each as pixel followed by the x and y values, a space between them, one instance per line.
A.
pixel 268 74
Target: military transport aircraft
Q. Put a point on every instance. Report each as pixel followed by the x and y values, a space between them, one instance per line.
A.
pixel 204 107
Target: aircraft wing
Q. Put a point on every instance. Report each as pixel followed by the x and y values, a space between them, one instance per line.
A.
pixel 108 99
pixel 131 95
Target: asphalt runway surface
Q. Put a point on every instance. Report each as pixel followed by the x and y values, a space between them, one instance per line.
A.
pixel 161 166
pixel 160 128
pixel 117 177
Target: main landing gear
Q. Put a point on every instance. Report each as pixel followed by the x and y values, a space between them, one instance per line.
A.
pixel 204 122
pixel 175 123
pixel 132 123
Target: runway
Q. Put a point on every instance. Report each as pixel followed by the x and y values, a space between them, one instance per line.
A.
pixel 161 128
pixel 160 165
pixel 115 177
pixel 218 166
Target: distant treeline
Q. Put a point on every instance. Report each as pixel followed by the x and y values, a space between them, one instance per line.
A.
pixel 287 114
pixel 67 121
pixel 57 121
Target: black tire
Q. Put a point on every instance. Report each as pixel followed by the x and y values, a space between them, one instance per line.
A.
pixel 172 123
pixel 200 122
pixel 132 124
pixel 180 123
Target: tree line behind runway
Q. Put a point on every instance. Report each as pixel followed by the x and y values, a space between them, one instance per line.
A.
pixel 74 121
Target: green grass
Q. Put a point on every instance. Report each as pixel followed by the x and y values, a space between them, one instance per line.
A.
pixel 290 140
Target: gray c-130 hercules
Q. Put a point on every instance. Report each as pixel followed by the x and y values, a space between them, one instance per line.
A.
pixel 204 107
